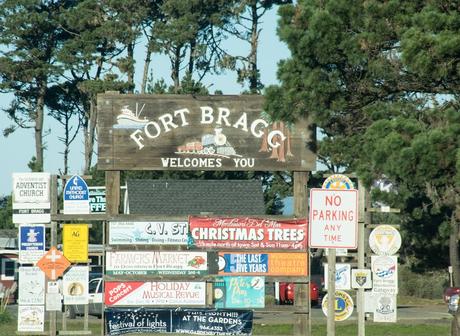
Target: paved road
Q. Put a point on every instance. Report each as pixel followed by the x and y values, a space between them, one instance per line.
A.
pixel 422 314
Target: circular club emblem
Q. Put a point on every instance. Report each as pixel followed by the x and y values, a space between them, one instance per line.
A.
pixel 385 240
pixel 343 305
pixel 338 181
pixel 384 267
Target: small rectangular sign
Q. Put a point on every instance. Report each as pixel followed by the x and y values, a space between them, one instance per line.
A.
pixel 136 293
pixel 31 198
pixel 75 285
pixel 385 274
pixel 342 276
pixel 97 201
pixel 248 233
pixel 53 302
pixel 333 218
pixel 31 286
pixel 239 292
pixel 31 318
pixel 75 242
pixel 157 262
pixel 148 233
pixel 267 264
pixel 385 308
pixel 31 243
pixel 361 278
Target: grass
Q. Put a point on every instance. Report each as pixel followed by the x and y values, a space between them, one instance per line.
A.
pixel 348 329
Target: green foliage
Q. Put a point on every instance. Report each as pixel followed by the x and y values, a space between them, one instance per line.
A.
pixel 369 75
pixel 427 285
pixel 6 212
pixel 5 317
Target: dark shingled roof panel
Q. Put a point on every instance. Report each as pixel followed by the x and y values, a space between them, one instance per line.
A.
pixel 193 197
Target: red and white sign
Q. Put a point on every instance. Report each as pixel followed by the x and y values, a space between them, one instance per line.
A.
pixel 333 218
pixel 249 233
pixel 135 293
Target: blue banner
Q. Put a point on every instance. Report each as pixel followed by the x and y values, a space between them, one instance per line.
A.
pixel 137 320
pixel 245 263
pixel 31 243
pixel 212 322
pixel 121 321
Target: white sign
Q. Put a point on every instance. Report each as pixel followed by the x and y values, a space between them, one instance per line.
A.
pixel 53 287
pixel 385 274
pixel 75 285
pixel 385 308
pixel 148 233
pixel 53 302
pixel 76 196
pixel 385 240
pixel 31 243
pixel 31 198
pixel 342 276
pixel 340 252
pixel 361 278
pixel 333 218
pixel 31 286
pixel 31 318
pixel 155 293
pixel 369 301
pixel 157 262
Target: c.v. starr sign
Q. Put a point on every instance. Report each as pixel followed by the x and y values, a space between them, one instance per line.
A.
pixel 178 132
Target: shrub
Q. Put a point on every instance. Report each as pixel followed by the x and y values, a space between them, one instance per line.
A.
pixel 428 285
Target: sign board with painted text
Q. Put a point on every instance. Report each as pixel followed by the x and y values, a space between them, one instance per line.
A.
pixel 158 293
pixel 239 292
pixel 148 233
pixel 76 196
pixel 31 286
pixel 75 242
pixel 385 274
pixel 31 198
pixel 156 262
pixel 248 233
pixel 184 132
pixel 333 218
pixel 31 243
pixel 267 264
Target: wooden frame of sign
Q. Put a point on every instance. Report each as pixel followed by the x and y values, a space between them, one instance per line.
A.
pixel 175 132
pixel 184 132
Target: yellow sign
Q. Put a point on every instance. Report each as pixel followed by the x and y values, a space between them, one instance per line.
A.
pixel 75 241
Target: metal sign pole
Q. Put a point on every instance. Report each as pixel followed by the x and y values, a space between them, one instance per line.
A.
pixel 361 256
pixel 331 292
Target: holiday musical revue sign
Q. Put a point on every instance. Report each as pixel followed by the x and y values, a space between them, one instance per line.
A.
pixel 181 132
pixel 248 233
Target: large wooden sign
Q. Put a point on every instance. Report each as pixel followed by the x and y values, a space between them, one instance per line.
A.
pixel 181 132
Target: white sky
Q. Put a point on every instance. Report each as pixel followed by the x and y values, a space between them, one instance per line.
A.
pixel 17 149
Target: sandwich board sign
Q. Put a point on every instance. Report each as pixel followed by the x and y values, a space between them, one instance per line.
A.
pixel 31 198
pixel 333 218
pixel 76 196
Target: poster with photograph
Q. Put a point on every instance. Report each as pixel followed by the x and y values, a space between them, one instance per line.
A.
pixel 31 286
pixel 75 285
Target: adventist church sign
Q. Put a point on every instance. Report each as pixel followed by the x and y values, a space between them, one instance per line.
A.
pixel 181 132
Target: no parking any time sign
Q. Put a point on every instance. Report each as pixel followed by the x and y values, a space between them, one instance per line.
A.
pixel 333 218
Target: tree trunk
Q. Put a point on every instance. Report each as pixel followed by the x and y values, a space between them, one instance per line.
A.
pixel 148 59
pixel 131 67
pixel 191 59
pixel 254 73
pixel 39 119
pixel 90 132
pixel 453 248
pixel 175 69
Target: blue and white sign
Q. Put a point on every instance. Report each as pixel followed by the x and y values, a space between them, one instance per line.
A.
pixel 239 292
pixel 342 276
pixel 31 243
pixel 76 196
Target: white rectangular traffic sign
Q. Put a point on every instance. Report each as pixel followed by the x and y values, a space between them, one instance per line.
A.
pixel 333 218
